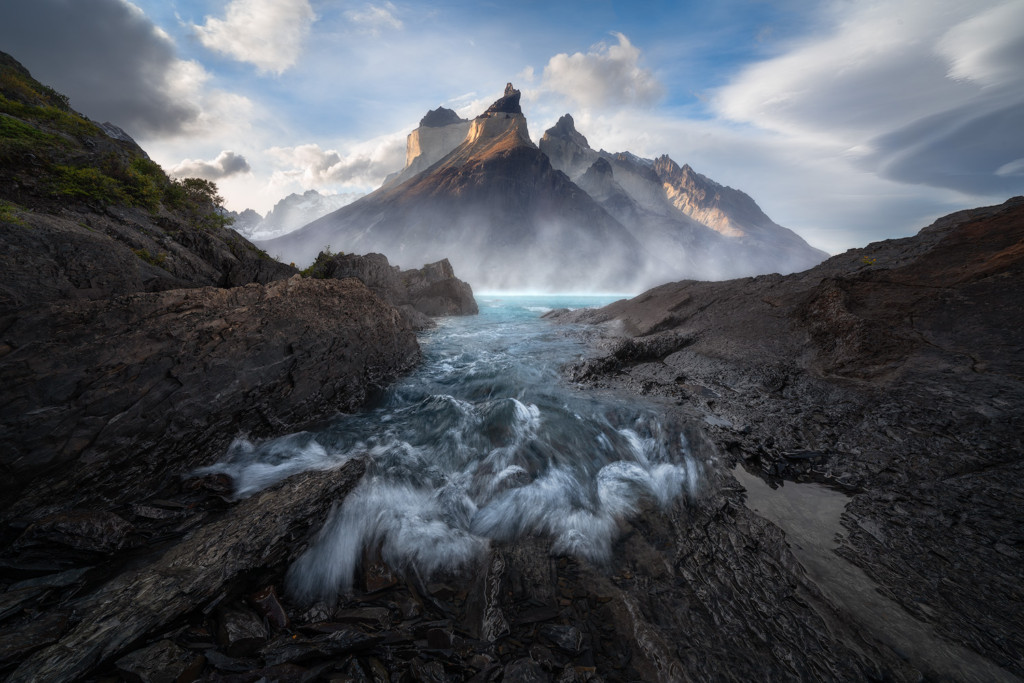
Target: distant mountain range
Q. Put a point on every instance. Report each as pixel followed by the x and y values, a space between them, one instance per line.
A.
pixel 289 214
pixel 561 216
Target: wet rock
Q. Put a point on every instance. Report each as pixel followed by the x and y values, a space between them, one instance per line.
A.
pixel 90 530
pixel 566 638
pixel 161 662
pixel 376 617
pixel 240 631
pixel 20 639
pixel 527 671
pixel 269 606
pixel 89 386
pixel 427 672
pixel 377 577
pixel 269 527
pixel 887 372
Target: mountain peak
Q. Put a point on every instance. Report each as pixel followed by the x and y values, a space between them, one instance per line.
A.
pixel 506 104
pixel 565 129
pixel 439 118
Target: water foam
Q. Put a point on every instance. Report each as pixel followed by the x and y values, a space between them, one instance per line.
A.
pixel 483 444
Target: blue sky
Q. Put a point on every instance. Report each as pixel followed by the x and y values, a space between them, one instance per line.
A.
pixel 846 121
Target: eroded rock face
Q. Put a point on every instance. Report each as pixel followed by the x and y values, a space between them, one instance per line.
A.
pixel 430 291
pixel 893 372
pixel 144 387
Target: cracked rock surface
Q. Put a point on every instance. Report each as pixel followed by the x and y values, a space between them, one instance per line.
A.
pixel 892 373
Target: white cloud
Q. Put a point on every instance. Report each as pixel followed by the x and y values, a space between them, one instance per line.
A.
pixel 606 76
pixel 375 18
pixel 269 34
pixel 226 164
pixel 364 166
pixel 988 48
pixel 923 93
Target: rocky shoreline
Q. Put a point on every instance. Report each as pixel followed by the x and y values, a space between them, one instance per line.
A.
pixel 891 373
pixel 140 335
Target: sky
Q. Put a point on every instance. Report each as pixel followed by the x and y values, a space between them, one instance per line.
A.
pixel 848 121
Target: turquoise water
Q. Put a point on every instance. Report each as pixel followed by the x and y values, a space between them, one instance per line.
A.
pixel 484 441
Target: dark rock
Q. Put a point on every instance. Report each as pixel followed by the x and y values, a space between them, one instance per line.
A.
pixel 161 662
pixel 19 640
pixel 266 601
pixel 270 527
pixel 89 386
pixel 506 104
pixel 566 638
pixel 439 639
pixel 240 631
pixel 525 670
pixel 432 290
pixel 437 118
pixel 376 617
pixel 377 577
pixel 94 531
pixel 892 372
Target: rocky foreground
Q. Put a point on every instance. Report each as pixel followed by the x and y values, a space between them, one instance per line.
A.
pixel 894 375
pixel 139 335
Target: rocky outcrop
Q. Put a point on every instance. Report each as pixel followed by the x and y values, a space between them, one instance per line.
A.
pixel 86 214
pixel 890 373
pixel 143 388
pixel 439 118
pixel 508 103
pixel 419 294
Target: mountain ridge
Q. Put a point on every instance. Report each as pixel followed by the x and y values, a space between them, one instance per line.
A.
pixel 632 223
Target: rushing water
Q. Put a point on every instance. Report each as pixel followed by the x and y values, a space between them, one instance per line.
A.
pixel 485 441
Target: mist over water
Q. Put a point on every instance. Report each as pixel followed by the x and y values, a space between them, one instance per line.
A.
pixel 485 441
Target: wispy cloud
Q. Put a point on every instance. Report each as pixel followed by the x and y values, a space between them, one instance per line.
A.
pixel 918 93
pixel 269 34
pixel 226 164
pixel 375 18
pixel 606 76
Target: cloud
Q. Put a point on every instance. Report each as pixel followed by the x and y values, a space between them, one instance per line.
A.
pixel 269 34
pixel 109 59
pixel 375 18
pixel 922 93
pixel 226 164
pixel 366 165
pixel 606 76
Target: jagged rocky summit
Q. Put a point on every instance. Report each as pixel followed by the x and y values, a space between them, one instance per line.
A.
pixel 511 215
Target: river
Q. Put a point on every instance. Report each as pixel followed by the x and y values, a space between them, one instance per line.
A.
pixel 484 441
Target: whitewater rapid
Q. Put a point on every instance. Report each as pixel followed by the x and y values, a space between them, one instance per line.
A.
pixel 484 442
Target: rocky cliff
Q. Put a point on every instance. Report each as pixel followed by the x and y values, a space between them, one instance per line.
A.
pixel 139 337
pixel 419 294
pixel 890 374
pixel 87 214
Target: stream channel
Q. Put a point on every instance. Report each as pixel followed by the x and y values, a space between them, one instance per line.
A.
pixel 484 441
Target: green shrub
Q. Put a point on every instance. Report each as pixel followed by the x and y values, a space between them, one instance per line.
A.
pixel 87 183
pixel 8 215
pixel 153 260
